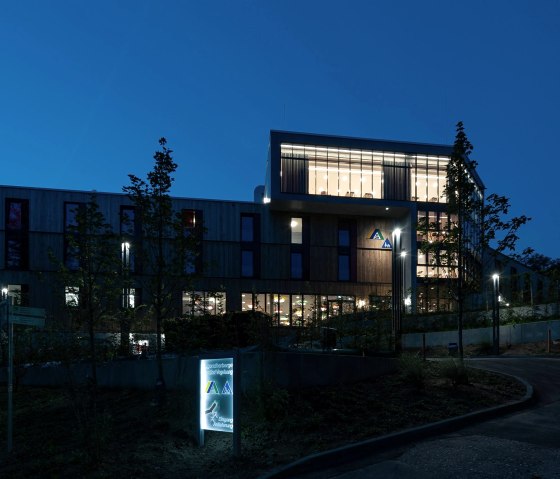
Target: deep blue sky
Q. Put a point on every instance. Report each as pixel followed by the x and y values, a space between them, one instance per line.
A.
pixel 88 87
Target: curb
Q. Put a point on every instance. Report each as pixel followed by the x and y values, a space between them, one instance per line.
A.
pixel 349 453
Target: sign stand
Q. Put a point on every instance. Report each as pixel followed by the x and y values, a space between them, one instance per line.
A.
pixel 219 392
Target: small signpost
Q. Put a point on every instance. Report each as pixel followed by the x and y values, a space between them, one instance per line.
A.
pixel 28 316
pixel 16 315
pixel 219 397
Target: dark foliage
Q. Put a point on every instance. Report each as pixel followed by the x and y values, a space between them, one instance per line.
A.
pixel 233 330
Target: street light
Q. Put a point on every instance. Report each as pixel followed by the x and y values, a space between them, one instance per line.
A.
pixel 403 271
pixel 396 276
pixel 496 313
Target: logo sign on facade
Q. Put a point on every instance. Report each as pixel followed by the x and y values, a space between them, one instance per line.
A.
pixel 216 394
pixel 376 235
pixel 386 244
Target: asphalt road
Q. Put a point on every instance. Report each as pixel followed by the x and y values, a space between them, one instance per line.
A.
pixel 523 445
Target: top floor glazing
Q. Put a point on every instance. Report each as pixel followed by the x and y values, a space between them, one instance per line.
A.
pixel 332 171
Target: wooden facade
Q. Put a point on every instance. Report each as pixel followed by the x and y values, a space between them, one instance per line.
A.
pixel 343 247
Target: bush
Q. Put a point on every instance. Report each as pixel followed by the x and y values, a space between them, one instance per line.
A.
pixel 233 330
pixel 413 369
pixel 455 371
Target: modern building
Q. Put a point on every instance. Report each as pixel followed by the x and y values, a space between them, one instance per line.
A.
pixel 332 231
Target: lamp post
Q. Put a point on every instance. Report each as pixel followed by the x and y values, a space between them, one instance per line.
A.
pixel 396 285
pixel 6 299
pixel 403 271
pixel 496 313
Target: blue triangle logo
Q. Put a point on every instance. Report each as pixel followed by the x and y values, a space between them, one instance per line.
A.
pixel 387 244
pixel 227 389
pixel 376 235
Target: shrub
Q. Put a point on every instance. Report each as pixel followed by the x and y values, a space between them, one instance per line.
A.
pixel 227 331
pixel 413 369
pixel 455 371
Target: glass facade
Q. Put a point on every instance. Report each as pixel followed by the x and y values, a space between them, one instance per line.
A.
pixel 316 170
pixel 200 303
pixel 305 309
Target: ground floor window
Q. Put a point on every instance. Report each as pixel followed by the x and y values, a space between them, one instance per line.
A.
pixel 200 303
pixel 301 309
pixel 434 297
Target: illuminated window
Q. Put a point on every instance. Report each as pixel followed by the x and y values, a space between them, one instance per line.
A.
pixel 296 224
pixel 128 298
pixel 355 173
pixel 200 303
pixel 18 292
pixel 129 234
pixel 125 255
pixel 72 295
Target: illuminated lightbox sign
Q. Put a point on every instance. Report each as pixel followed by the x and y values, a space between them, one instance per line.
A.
pixel 216 394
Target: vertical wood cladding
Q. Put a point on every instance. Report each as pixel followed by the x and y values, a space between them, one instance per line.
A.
pixel 222 245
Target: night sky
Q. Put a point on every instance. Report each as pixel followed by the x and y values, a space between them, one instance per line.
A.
pixel 88 87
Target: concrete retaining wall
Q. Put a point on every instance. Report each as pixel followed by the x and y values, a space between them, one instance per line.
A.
pixel 509 334
pixel 288 370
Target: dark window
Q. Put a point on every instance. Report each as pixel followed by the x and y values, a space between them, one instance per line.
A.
pixel 297 265
pixel 344 236
pixel 250 245
pixel 247 264
pixel 247 228
pixel 17 234
pixel 128 221
pixel 71 252
pixel 193 225
pixel 343 267
pixel 347 250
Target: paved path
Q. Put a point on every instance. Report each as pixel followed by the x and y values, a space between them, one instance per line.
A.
pixel 523 445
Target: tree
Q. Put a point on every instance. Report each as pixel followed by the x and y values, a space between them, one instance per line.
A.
pixel 165 245
pixel 474 226
pixel 90 276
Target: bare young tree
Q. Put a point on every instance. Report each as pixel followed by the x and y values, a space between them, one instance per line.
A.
pixel 165 245
pixel 476 226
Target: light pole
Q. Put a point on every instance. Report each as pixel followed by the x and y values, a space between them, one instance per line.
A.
pixel 496 315
pixel 403 271
pixel 396 285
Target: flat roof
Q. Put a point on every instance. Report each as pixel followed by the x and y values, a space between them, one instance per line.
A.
pixel 360 143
